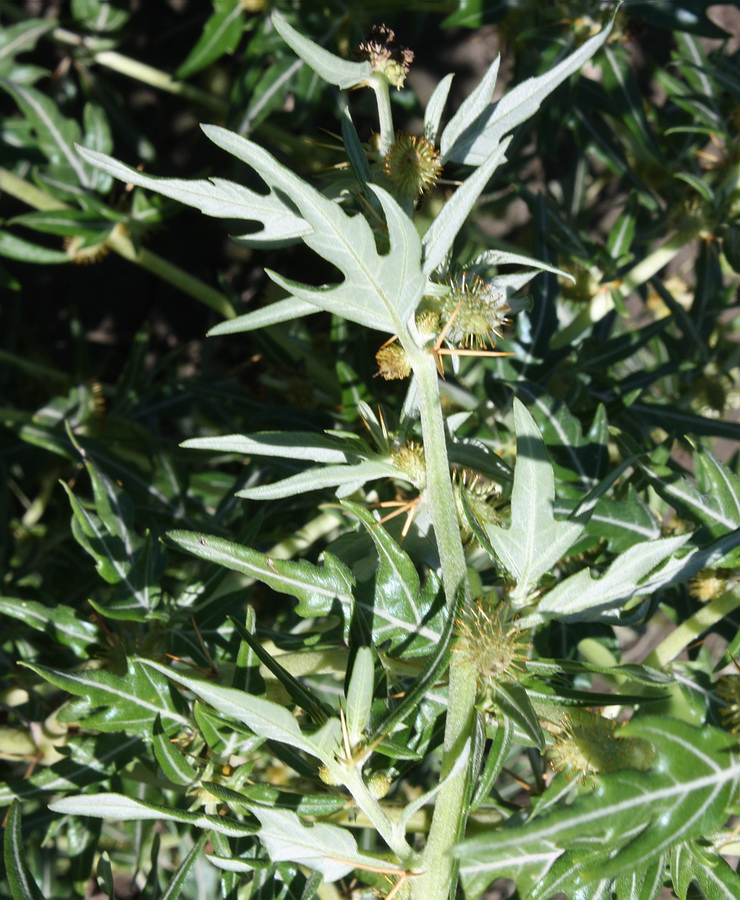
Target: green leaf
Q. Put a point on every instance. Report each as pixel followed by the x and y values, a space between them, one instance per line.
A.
pixel 514 705
pixel 379 291
pixel 90 759
pixel 714 501
pixel 282 311
pixel 327 848
pixel 435 108
pixel 348 479
pixel 178 879
pixel 646 883
pixel 221 34
pixel 56 135
pixel 333 69
pixel 475 136
pixel 62 622
pixel 100 16
pixel 318 589
pixel 360 694
pixel 20 880
pixel 116 555
pixel 120 808
pixel 21 38
pixel 693 862
pixel 583 598
pixel 440 235
pixel 300 695
pixel 640 815
pixel 65 222
pixel 623 522
pixel 283 444
pixel 216 197
pixel 128 703
pixel 170 758
pixel 266 719
pixel 14 247
pixel 470 110
pixel 535 540
pixel 398 609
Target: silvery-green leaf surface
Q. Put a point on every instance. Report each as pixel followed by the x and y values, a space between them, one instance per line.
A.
pixel 534 540
pixel 215 197
pixel 284 444
pixel 281 311
pixel 332 69
pixel 123 809
pixel 347 479
pixel 266 719
pixel 440 235
pixel 476 136
pixel 327 848
pixel 380 291
pixel 583 598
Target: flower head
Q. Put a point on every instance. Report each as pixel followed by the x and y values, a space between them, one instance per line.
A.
pixel 412 165
pixel 386 56
pixel 589 744
pixel 491 644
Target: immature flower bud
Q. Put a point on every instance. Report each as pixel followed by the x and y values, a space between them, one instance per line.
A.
pixel 728 689
pixel 409 458
pixel 328 777
pixel 379 784
pixel 480 497
pixel 707 585
pixel 393 363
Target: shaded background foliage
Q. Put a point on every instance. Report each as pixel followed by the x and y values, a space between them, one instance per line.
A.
pixel 118 352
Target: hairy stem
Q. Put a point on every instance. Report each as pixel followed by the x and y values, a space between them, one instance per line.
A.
pixel 385 116
pixel 448 820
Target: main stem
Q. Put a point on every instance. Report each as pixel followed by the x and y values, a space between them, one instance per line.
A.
pixel 448 820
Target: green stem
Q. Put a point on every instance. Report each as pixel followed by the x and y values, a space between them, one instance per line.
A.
pixel 119 242
pixel 602 302
pixel 124 65
pixel 448 820
pixel 385 115
pixel 689 631
pixel 383 824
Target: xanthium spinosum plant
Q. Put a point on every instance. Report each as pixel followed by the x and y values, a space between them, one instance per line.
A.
pixel 443 684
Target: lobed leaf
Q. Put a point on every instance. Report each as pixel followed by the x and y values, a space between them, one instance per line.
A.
pixel 641 815
pixel 128 703
pixel 266 719
pixel 476 135
pixel 332 69
pixel 317 589
pixel 583 598
pixel 534 540
pixel 120 808
pixel 379 291
pixel 216 197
